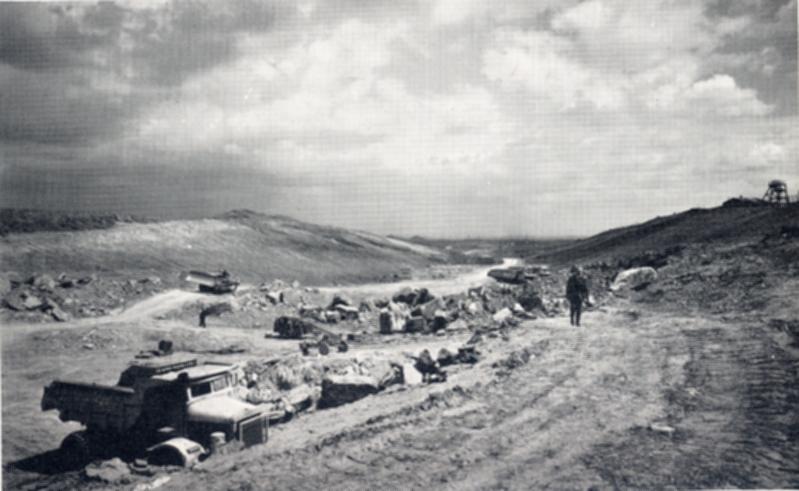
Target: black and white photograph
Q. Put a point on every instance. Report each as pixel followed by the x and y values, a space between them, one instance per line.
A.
pixel 399 244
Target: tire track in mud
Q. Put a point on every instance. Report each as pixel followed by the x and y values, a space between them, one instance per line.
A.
pixel 441 439
pixel 735 416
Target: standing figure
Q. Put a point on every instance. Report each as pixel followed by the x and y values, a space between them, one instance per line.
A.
pixel 576 294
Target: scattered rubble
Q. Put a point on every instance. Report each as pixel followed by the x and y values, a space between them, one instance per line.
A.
pixel 40 297
pixel 634 279
pixel 344 389
pixel 292 327
pixel 113 471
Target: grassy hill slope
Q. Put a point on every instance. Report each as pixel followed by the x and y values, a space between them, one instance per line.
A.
pixel 252 246
pixel 722 224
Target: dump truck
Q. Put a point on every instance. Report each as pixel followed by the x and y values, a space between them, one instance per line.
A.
pixel 218 283
pixel 171 410
pixel 518 274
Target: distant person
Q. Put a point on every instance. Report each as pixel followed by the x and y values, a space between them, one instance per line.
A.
pixel 216 310
pixel 576 294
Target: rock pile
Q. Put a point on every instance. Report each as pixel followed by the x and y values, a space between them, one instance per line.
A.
pixel 42 297
pixel 295 384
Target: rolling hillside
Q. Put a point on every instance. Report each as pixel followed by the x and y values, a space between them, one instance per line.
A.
pixel 253 246
pixel 721 224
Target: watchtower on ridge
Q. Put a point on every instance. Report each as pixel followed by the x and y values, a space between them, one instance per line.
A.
pixel 777 193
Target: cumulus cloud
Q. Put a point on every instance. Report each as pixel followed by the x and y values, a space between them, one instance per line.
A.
pixel 70 73
pixel 613 55
pixel 330 90
pixel 540 62
pixel 467 117
pixel 720 94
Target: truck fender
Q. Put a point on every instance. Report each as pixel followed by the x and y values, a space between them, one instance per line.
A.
pixel 176 451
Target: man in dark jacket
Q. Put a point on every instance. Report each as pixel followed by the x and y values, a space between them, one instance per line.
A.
pixel 576 293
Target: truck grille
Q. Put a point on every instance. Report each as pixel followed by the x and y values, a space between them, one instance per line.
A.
pixel 253 431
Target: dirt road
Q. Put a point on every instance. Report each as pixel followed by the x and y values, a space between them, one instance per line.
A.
pixel 636 399
pixel 446 286
pixel 580 413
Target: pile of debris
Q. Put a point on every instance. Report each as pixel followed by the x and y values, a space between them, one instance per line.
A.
pixel 419 311
pixel 297 383
pixel 339 309
pixel 42 297
pixel 38 294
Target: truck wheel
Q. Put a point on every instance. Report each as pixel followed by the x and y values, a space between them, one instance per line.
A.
pixel 76 449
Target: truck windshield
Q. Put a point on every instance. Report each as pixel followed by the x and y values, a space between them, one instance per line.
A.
pixel 209 386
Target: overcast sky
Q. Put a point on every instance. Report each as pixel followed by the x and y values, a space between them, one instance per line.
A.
pixel 441 118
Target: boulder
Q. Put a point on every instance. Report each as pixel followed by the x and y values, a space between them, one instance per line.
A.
pixel 428 310
pixel 344 389
pixel 634 279
pixel 5 286
pixel 407 296
pixel 457 325
pixel 333 316
pixel 391 377
pixel 393 318
pixel 445 357
pixel 473 308
pixel 440 321
pixel 32 302
pixel 381 302
pixel 339 300
pixel 43 282
pixel 467 354
pixel 85 280
pixel 410 375
pixel 65 281
pixel 662 428
pixel 273 297
pixel 55 311
pixel 503 315
pixel 113 471
pixel 386 320
pixel 415 324
pixel 530 300
pixel 424 296
pixel 292 327
pixel 413 296
pixel 292 297
pixel 302 398
pixel 153 280
pixel 348 312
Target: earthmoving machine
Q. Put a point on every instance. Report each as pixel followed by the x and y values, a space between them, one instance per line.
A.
pixel 518 274
pixel 170 409
pixel 322 339
pixel 218 283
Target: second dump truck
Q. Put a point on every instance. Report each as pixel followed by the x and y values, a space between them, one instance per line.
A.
pixel 170 409
pixel 218 283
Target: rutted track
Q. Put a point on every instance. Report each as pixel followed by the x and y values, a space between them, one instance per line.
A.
pixel 577 414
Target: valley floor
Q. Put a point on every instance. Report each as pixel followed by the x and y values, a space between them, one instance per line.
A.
pixel 634 399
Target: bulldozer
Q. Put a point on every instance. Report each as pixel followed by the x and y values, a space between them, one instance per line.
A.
pixel 218 283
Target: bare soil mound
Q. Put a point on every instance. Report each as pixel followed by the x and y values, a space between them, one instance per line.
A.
pixel 664 236
pixel 250 245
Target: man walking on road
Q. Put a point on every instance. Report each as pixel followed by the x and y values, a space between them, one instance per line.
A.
pixel 576 293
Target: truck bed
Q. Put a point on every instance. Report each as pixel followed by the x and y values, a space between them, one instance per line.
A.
pixel 110 408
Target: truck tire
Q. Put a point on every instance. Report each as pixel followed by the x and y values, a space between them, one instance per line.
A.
pixel 76 449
